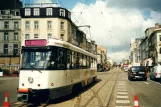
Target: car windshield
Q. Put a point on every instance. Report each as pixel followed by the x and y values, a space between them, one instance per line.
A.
pixel 35 58
pixel 138 69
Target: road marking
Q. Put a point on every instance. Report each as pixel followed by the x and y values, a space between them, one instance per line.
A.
pixel 122 97
pixel 123 93
pixel 122 87
pixel 155 82
pixel 123 106
pixel 122 90
pixel 123 101
pixel 146 82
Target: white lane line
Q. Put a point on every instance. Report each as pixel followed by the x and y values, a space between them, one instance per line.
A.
pixel 123 101
pixel 123 106
pixel 122 90
pixel 122 97
pixel 146 82
pixel 155 82
pixel 123 93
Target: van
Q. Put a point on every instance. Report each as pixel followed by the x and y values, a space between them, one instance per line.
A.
pixel 1 72
pixel 156 73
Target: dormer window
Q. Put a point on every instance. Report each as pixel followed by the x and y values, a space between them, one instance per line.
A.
pixel 62 12
pixel 69 15
pixel 27 12
pixel 49 12
pixel 36 11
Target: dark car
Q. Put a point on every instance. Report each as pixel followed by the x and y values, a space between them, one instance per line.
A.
pixel 137 72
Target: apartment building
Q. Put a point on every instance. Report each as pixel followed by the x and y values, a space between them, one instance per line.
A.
pixel 48 21
pixel 10 33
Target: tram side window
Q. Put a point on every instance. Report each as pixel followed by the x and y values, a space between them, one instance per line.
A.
pixel 80 60
pixel 77 60
pixel 88 62
pixel 95 63
pixel 69 59
pixel 61 58
pixel 92 63
pixel 84 58
pixel 74 57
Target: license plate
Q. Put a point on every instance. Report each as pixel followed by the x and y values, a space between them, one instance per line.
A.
pixel 136 76
pixel 141 72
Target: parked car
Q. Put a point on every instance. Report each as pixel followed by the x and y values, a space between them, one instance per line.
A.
pixel 137 72
pixel 126 69
pixel 155 74
pixel 1 72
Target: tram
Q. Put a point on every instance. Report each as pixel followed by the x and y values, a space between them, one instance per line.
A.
pixel 53 68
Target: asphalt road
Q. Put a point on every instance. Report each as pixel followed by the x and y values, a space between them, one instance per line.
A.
pixel 9 84
pixel 112 86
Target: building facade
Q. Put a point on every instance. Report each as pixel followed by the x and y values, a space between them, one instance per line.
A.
pixel 101 55
pixel 135 51
pixel 47 21
pixel 10 35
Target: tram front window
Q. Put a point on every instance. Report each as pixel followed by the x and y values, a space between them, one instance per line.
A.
pixel 35 58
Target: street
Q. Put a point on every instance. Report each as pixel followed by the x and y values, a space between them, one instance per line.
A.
pixel 112 89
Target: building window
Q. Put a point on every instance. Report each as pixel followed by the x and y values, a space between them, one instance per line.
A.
pixel 15 36
pixel 15 49
pixel 6 36
pixel 160 50
pixel 49 36
pixel 27 25
pixel 17 13
pixel 36 36
pixel 49 24
pixel 62 25
pixel 27 36
pixel 49 12
pixel 69 15
pixel 36 12
pixel 16 25
pixel 62 36
pixel 62 12
pixel 27 12
pixel 5 49
pixel 160 37
pixel 6 25
pixel 36 25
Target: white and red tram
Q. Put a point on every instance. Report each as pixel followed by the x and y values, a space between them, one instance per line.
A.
pixel 52 69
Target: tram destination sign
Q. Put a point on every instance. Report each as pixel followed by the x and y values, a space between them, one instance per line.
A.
pixel 40 42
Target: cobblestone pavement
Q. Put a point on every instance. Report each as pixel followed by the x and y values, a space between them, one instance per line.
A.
pixel 106 92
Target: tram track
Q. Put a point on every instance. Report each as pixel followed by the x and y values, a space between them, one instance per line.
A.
pixel 95 93
pixel 77 98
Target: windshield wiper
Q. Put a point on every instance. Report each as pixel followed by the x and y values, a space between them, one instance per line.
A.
pixel 35 68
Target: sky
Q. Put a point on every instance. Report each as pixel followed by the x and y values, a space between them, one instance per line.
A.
pixel 113 22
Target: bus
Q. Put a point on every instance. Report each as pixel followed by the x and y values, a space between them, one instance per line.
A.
pixel 53 68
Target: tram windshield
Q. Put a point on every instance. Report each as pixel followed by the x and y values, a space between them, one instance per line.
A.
pixel 35 58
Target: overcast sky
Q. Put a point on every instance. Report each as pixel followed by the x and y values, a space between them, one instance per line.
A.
pixel 114 22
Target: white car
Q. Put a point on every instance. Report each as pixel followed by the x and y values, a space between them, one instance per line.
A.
pixel 126 69
pixel 156 73
pixel 1 72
